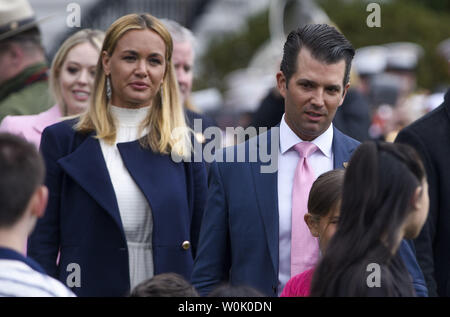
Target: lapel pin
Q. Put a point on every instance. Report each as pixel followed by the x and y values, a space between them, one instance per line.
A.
pixel 200 137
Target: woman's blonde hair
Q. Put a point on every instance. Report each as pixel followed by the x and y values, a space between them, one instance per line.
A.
pixel 93 37
pixel 166 116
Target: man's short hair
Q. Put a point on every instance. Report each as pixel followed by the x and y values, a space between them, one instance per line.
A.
pixel 165 285
pixel 21 172
pixel 30 40
pixel 179 33
pixel 325 43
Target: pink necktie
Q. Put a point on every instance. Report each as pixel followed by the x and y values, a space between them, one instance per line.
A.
pixel 304 247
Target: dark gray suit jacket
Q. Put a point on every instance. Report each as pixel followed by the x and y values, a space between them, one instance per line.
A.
pixel 430 136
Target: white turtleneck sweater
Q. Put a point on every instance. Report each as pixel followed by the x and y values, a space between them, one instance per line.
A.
pixel 134 208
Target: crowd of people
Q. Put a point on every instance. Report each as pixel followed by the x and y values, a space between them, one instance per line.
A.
pixel 100 197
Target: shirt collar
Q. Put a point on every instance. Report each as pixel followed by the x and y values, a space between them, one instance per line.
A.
pixel 288 139
pixel 10 254
pixel 128 116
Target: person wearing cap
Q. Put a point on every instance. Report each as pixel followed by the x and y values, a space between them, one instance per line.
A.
pixel 402 60
pixel 369 61
pixel 410 104
pixel 23 77
pixel 71 81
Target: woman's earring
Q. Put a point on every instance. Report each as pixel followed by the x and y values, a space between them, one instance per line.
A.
pixel 162 91
pixel 108 87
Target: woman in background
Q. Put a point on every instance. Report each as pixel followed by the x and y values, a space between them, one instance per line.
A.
pixel 71 78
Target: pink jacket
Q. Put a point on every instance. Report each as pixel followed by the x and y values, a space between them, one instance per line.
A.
pixel 299 285
pixel 30 127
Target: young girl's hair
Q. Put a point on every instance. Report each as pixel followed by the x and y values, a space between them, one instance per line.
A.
pixel 325 194
pixel 379 184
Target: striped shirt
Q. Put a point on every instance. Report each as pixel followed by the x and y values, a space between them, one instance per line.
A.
pixel 22 277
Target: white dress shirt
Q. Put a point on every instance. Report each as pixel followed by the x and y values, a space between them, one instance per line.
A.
pixel 320 161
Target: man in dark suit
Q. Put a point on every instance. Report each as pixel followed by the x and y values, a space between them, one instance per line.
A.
pixel 430 136
pixel 245 236
pixel 246 229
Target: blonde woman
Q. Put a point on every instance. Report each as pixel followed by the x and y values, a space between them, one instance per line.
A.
pixel 120 209
pixel 71 78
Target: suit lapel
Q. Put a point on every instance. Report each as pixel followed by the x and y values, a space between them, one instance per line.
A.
pixel 342 151
pixel 87 167
pixel 266 190
pixel 155 175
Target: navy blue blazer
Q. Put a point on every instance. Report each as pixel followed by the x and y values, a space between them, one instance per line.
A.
pixel 240 229
pixel 82 219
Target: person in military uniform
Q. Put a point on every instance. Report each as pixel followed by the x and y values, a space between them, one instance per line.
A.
pixel 23 77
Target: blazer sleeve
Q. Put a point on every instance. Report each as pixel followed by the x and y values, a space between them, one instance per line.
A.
pixel 425 241
pixel 43 244
pixel 212 264
pixel 408 256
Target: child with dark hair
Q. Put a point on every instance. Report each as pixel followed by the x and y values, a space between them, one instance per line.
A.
pixel 23 198
pixel 322 218
pixel 385 199
pixel 164 285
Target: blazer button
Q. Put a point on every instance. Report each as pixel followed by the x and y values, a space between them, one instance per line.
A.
pixel 186 245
